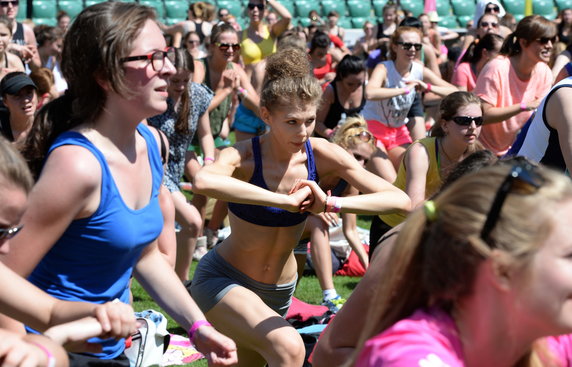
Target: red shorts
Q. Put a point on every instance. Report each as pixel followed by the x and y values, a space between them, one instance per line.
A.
pixel 389 137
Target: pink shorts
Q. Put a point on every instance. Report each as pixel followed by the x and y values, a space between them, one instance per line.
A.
pixel 389 137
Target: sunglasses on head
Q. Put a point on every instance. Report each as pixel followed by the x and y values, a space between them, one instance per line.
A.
pixel 522 179
pixel 494 8
pixel 545 40
pixel 492 24
pixel 225 46
pixel 251 6
pixel 7 233
pixel 407 45
pixel 467 120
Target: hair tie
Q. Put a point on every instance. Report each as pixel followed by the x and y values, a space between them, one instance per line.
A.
pixel 430 210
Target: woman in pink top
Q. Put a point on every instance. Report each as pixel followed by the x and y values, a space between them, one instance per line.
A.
pixel 474 60
pixel 475 280
pixel 512 85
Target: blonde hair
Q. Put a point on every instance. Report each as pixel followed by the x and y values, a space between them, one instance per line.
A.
pixel 13 167
pixel 347 135
pixel 434 261
pixel 288 81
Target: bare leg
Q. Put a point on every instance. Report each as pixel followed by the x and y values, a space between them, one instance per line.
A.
pixel 321 252
pixel 396 155
pixel 190 221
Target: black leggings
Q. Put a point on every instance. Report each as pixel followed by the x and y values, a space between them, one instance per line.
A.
pixel 376 231
pixel 81 360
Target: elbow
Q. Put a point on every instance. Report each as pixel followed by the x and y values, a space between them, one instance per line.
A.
pixel 201 182
pixel 368 93
pixel 405 202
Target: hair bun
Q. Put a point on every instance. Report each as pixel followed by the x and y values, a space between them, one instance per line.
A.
pixel 287 63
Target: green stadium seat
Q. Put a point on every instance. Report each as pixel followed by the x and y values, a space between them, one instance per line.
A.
pixel 23 5
pixel 303 21
pixel 377 6
pixel 91 2
pixel 287 4
pixel 303 8
pixel 444 8
pixel 44 9
pixel 359 8
pixel 464 19
pixel 449 21
pixel 176 9
pixel 234 7
pixel 72 7
pixel 358 22
pixel 345 22
pixel 514 6
pixel 414 6
pixel 546 8
pixel 47 21
pixel 329 5
pixel 463 7
pixel 171 21
pixel 155 4
pixel 560 4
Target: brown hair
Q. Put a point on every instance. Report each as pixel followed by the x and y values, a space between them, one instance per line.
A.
pixel 449 107
pixel 93 46
pixel 288 81
pixel 414 277
pixel 529 28
pixel 183 61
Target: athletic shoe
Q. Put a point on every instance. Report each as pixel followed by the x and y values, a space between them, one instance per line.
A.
pixel 334 304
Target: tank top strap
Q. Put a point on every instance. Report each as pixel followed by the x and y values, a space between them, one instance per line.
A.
pixel 257 175
pixel 312 171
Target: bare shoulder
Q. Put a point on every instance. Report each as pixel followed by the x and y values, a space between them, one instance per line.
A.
pixel 329 153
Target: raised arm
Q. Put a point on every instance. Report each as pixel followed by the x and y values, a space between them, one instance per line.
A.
pixel 283 22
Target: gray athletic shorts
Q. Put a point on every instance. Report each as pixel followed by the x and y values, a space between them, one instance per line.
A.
pixel 214 278
pixel 302 247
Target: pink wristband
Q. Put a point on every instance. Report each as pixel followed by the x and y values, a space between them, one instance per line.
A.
pixel 407 91
pixel 523 106
pixel 51 358
pixel 196 327
pixel 428 87
pixel 208 159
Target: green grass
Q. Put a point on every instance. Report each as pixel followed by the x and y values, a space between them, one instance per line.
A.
pixel 308 290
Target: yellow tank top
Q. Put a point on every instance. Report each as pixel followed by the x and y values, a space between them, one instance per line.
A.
pixel 254 52
pixel 432 184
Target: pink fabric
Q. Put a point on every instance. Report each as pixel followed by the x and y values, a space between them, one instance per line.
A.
pixel 389 137
pixel 463 76
pixel 430 338
pixel 499 86
pixel 426 338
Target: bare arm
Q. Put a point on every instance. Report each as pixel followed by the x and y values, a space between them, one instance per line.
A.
pixel 205 136
pixel 498 114
pixel 559 116
pixel 31 43
pixel 438 85
pixel 285 18
pixel 562 59
pixel 349 227
pixel 374 89
pixel 416 161
pixel 323 109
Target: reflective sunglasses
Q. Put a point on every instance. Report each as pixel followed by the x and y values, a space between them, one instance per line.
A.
pixel 157 58
pixel 492 24
pixel 251 6
pixel 407 45
pixel 490 9
pixel 467 120
pixel 7 233
pixel 4 4
pixel 522 179
pixel 364 136
pixel 225 46
pixel 545 40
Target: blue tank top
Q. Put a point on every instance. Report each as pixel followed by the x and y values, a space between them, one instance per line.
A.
pixel 266 215
pixel 94 258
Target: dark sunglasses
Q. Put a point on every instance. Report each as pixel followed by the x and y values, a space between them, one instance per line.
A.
pixel 490 9
pixel 467 120
pixel 522 179
pixel 4 4
pixel 7 233
pixel 364 136
pixel 407 45
pixel 545 40
pixel 492 24
pixel 225 46
pixel 157 58
pixel 251 6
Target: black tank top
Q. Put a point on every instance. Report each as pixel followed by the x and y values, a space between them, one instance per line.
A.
pixel 199 30
pixel 18 36
pixel 336 109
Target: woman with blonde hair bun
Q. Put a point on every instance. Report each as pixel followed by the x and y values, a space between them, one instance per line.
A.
pixel 245 284
pixel 472 270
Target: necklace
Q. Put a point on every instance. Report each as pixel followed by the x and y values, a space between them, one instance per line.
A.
pixel 444 152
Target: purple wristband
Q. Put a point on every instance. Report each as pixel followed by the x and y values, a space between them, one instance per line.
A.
pixel 196 327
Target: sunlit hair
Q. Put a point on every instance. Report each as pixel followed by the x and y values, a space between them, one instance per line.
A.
pixel 13 168
pixel 348 135
pixel 220 29
pixel 414 277
pixel 288 82
pixel 397 34
pixel 529 28
pixel 93 46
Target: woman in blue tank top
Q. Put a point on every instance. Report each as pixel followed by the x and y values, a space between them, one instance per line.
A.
pixel 246 283
pixel 94 217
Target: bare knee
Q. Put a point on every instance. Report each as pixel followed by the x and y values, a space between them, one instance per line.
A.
pixel 287 349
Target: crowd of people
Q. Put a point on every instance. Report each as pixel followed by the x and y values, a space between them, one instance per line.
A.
pixel 449 140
